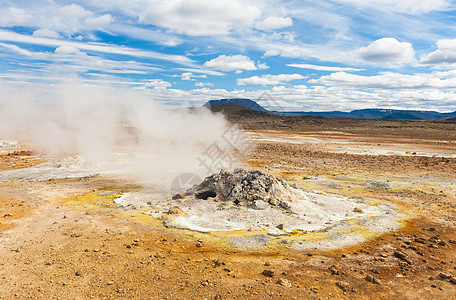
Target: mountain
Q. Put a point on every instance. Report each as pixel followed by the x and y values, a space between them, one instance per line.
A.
pixel 239 101
pixel 232 109
pixel 369 113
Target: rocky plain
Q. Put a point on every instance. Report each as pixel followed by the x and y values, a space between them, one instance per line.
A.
pixel 72 238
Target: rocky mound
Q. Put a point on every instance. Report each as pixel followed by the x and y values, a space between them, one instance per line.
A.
pixel 252 189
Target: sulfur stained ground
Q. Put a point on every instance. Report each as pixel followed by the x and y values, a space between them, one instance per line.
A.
pixel 53 249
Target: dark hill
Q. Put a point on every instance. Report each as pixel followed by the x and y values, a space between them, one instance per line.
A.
pixel 445 120
pixel 402 115
pixel 231 109
pixel 238 101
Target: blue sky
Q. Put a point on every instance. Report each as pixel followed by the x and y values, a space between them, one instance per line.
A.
pixel 291 55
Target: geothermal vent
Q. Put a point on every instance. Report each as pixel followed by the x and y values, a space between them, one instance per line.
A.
pixel 259 210
pixel 252 189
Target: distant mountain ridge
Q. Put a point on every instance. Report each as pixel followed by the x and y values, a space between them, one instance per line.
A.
pixel 239 101
pixel 368 113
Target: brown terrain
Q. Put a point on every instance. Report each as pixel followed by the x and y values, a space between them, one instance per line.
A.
pixel 53 249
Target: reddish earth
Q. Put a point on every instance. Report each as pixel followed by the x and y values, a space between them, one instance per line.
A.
pixel 52 250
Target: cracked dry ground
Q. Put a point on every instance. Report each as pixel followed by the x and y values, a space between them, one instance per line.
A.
pixel 50 250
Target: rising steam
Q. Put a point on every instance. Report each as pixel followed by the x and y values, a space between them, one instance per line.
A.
pixel 149 141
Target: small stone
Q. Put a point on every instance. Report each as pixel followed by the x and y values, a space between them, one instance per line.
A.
pixel 420 240
pixel 177 197
pixel 343 286
pixel 432 229
pixel 453 279
pixel 260 205
pixel 444 275
pixel 176 210
pixel 268 273
pixel 218 262
pixel 78 273
pixel 284 282
pixel 284 205
pixel 400 254
pixel 376 281
pixel 110 283
pixel 369 278
pixel 7 215
pixel 199 244
pixel 334 270
pixel 280 226
pixel 205 283
pixel 358 210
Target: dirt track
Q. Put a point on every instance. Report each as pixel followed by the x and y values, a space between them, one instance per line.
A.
pixel 51 249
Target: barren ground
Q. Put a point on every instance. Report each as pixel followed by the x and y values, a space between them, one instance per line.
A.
pixel 52 249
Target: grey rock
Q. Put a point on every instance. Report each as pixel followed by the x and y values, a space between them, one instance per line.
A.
pixel 253 189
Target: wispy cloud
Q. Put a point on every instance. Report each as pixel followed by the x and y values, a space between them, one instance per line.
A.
pixel 96 47
pixel 323 68
pixel 269 79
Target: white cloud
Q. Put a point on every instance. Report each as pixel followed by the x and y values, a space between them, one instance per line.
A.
pixel 70 60
pixel 46 33
pixel 262 66
pixel 271 52
pixel 202 71
pixel 74 11
pixel 203 84
pixel 405 6
pixel 12 16
pixel 269 79
pixel 231 63
pixel 67 50
pixel 199 17
pixel 100 21
pixel 97 47
pixel 273 23
pixel 444 57
pixel 387 50
pixel 144 34
pixel 186 76
pixel 390 80
pixel 16 49
pixel 323 68
pixel 52 19
pixel 158 84
pixel 190 76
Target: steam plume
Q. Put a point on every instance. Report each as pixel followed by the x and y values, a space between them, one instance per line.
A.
pixel 72 118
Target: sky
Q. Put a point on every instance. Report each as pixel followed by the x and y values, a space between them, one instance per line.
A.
pixel 287 55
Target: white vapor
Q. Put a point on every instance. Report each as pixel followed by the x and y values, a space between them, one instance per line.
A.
pixel 147 141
